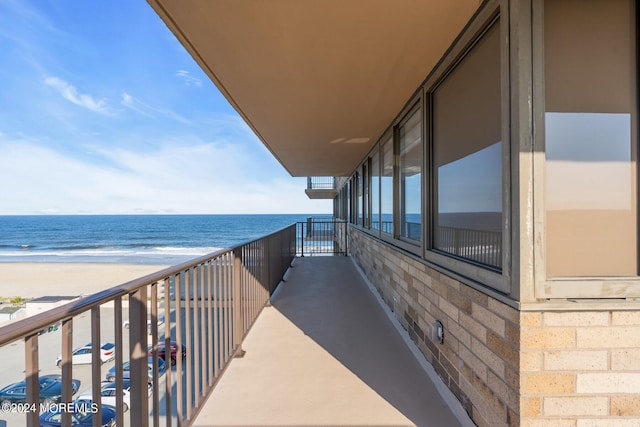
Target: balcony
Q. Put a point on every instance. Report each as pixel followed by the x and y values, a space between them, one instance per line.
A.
pixel 262 338
pixel 321 187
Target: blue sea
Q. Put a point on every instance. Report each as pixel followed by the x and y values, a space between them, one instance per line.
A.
pixel 131 239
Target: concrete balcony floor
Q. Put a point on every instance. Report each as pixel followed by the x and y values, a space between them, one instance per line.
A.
pixel 327 354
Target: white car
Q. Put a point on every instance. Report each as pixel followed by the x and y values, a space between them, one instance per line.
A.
pixel 82 355
pixel 160 322
pixel 108 393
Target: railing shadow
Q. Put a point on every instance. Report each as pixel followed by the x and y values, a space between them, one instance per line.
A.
pixel 328 300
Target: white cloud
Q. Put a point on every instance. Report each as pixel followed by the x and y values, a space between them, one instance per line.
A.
pixel 135 105
pixel 188 79
pixel 202 178
pixel 140 107
pixel 70 93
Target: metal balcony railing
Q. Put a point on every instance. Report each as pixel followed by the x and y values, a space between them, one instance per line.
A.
pixel 320 183
pixel 202 308
pixel 482 246
pixel 321 236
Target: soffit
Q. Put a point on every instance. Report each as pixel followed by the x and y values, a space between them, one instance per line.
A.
pixel 318 81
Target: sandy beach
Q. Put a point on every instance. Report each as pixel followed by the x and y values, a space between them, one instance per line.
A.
pixel 31 280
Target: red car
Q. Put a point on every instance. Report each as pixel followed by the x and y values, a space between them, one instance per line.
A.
pixel 174 352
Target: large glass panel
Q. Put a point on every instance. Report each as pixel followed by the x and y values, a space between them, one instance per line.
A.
pixel 590 138
pixel 375 191
pixel 359 198
pixel 365 196
pixel 468 156
pixel 386 187
pixel 349 201
pixel 410 169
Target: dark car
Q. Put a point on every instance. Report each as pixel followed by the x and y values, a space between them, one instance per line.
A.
pixel 50 390
pixel 174 351
pixel 162 368
pixel 81 415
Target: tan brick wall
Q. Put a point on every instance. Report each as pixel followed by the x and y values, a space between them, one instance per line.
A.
pixel 532 369
pixel 580 369
pixel 479 359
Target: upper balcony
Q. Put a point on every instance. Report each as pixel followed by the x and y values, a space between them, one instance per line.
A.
pixel 261 338
pixel 321 187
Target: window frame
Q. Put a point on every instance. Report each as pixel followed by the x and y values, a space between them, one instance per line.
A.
pixel 375 153
pixel 597 287
pixel 411 245
pixel 499 280
pixel 497 284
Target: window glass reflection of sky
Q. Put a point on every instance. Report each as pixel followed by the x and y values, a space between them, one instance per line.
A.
pixel 588 161
pixel 413 194
pixel 472 183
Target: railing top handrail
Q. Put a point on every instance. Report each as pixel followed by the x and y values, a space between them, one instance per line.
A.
pixel 32 324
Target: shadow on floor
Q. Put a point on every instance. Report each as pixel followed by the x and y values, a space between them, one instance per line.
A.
pixel 328 300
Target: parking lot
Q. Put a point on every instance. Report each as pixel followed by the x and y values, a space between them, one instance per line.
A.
pixel 12 358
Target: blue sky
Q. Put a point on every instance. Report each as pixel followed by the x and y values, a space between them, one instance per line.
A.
pixel 103 111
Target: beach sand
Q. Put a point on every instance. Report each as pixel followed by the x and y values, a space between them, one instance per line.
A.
pixel 31 280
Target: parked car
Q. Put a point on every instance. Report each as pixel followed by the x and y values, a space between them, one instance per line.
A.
pixel 81 415
pixel 50 390
pixel 125 324
pixel 109 392
pixel 82 355
pixel 173 351
pixel 162 368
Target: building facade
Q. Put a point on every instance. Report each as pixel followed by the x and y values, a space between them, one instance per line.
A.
pixel 502 203
pixel 485 155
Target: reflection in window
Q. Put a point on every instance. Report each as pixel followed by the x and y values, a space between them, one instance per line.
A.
pixel 365 196
pixel 468 156
pixel 590 183
pixel 386 187
pixel 349 201
pixel 375 191
pixel 359 198
pixel 410 168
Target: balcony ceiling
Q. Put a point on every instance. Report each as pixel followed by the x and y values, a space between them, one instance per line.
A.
pixel 318 81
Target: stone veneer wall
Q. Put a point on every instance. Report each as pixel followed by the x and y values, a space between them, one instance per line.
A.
pixel 479 359
pixel 580 369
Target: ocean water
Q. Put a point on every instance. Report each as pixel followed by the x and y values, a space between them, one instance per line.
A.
pixel 132 239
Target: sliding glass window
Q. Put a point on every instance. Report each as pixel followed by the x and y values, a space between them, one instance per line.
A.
pixel 349 200
pixel 590 138
pixel 467 145
pixel 386 187
pixel 375 190
pixel 410 171
pixel 359 199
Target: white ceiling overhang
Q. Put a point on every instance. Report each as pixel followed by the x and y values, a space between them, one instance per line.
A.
pixel 318 81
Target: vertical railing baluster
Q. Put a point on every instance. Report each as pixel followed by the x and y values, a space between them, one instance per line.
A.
pixel 154 353
pixel 226 309
pixel 117 327
pixel 179 340
pixel 95 366
pixel 237 301
pixel 31 378
pixel 66 330
pixel 138 365
pixel 211 332
pixel 196 337
pixel 189 341
pixel 216 315
pixel 203 329
pixel 167 348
